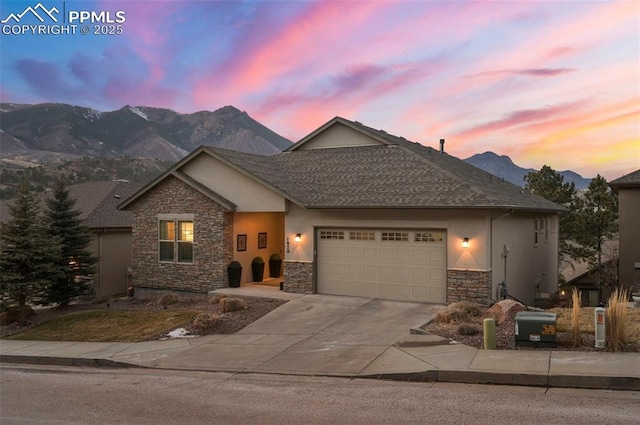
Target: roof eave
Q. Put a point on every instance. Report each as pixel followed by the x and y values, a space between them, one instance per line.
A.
pixel 435 207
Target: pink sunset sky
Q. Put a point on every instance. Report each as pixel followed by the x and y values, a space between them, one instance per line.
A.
pixel 544 82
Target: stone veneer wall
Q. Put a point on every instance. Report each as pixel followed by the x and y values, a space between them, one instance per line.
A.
pixel 213 240
pixel 298 277
pixel 469 285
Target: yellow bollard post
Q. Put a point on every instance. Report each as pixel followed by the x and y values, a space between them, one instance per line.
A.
pixel 489 329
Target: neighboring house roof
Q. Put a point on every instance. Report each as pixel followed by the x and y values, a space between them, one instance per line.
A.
pixel 98 202
pixel 396 173
pixel 628 180
pixel 588 272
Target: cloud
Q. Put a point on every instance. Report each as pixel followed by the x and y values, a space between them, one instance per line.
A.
pixel 531 72
pixel 358 76
pixel 45 77
pixel 517 118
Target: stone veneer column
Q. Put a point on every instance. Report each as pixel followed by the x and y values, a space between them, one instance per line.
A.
pixel 469 285
pixel 298 277
pixel 212 244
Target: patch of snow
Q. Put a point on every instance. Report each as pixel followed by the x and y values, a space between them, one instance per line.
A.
pixel 92 114
pixel 138 112
pixel 180 333
pixel 182 151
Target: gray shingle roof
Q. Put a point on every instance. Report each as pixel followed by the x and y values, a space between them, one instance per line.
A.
pixel 98 203
pixel 400 174
pixel 628 180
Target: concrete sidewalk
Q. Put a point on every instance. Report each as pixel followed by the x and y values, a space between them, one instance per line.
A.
pixel 324 335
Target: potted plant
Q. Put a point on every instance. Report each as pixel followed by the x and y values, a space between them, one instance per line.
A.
pixel 257 269
pixel 234 272
pixel 275 265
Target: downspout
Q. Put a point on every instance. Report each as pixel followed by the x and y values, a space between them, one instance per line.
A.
pixel 491 247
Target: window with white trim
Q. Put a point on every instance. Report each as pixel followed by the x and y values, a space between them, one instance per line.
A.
pixel 395 236
pixel 429 237
pixel 362 236
pixel 331 234
pixel 535 232
pixel 175 238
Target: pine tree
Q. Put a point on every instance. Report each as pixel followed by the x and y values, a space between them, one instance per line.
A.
pixel 75 262
pixel 28 253
pixel 596 220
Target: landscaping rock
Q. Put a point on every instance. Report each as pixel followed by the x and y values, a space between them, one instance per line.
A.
pixel 505 310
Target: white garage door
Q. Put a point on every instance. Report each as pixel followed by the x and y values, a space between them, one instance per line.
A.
pixel 405 265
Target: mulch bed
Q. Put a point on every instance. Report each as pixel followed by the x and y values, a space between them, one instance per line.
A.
pixel 505 337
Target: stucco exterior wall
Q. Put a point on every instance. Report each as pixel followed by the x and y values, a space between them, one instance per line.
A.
pixel 226 181
pixel 530 267
pixel 212 244
pixel 113 248
pixel 338 136
pixel 629 222
pixel 458 225
pixel 250 224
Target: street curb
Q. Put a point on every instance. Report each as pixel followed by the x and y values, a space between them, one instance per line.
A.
pixel 527 380
pixel 626 383
pixel 452 376
pixel 67 361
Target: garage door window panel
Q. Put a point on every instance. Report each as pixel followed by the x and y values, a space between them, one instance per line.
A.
pixel 395 236
pixel 362 236
pixel 331 234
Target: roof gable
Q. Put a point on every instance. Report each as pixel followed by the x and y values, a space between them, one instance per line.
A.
pixel 338 133
pixel 201 169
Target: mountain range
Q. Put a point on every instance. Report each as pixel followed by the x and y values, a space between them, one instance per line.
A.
pixel 36 133
pixel 130 131
pixel 502 166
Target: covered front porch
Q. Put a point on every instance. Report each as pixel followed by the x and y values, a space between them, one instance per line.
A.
pixel 259 234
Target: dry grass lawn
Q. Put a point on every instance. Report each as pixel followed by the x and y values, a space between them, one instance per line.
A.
pixel 587 323
pixel 107 325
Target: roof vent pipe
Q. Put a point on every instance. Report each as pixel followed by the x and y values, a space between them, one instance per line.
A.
pixel 441 145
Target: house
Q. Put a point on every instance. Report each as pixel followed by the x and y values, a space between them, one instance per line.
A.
pixel 353 211
pixel 111 232
pixel 627 188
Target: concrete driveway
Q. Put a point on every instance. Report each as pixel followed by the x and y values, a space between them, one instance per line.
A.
pixel 313 334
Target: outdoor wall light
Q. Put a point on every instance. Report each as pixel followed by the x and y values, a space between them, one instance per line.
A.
pixel 298 238
pixel 465 243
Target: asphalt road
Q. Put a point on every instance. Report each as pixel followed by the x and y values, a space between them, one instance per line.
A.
pixel 50 395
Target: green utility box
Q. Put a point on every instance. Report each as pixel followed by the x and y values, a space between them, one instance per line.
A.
pixel 535 329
